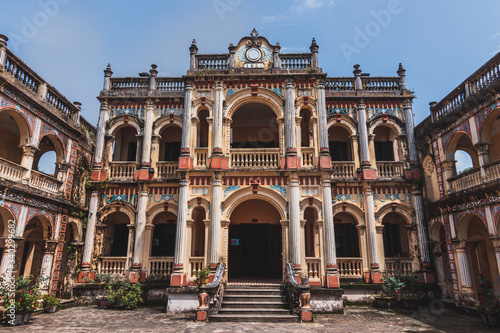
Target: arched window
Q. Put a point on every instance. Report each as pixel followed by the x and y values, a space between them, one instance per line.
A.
pixel 340 144
pixel 203 129
pixel 12 127
pixel 386 144
pixel 163 244
pixel 254 126
pixel 346 236
pixel 50 151
pixel 125 144
pixel 170 144
pixel 396 243
pixel 198 236
pixel 305 128
pixel 116 235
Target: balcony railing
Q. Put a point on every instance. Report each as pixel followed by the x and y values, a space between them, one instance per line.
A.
pixel 255 158
pixel 112 265
pixel 22 73
pixel 201 158
pixel 389 169
pixel 212 61
pixel 343 170
pixel 130 83
pixel 314 268
pixel 167 170
pixel 295 60
pixel 169 84
pixel 161 266
pixel 195 264
pixel 340 83
pixel 45 182
pixel 402 266
pixel 466 180
pixel 493 170
pixel 122 170
pixel 350 267
pixel 308 159
pixel 11 171
pixel 381 83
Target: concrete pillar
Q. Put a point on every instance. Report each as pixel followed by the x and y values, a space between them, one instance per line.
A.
pixel 27 162
pixel 148 134
pixel 215 216
pixel 219 99
pixel 89 236
pixel 314 50
pixel 410 134
pixel 232 52
pixel 496 246
pixel 276 56
pixel 483 156
pixel 371 230
pixel 101 132
pixel 294 211
pixel 3 51
pixel 142 204
pixel 46 268
pixel 363 135
pixel 180 234
pixel 186 120
pixel 21 221
pixel 463 265
pixel 290 139
pixel 421 231
pixel 329 229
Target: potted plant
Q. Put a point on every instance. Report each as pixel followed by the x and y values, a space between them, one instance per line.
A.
pixel 202 276
pixel 391 290
pixel 26 299
pixel 304 278
pixel 411 295
pixel 102 301
pixel 51 303
pixel 489 303
pixel 123 294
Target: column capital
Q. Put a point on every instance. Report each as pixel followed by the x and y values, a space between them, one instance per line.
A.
pixel 29 150
pixel 289 83
pixel 49 247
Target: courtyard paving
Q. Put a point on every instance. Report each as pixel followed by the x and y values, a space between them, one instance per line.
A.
pixel 355 319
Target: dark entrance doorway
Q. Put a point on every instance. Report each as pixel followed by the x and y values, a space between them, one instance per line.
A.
pixel 255 250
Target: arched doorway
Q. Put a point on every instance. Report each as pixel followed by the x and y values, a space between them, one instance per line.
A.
pixel 440 253
pixel 116 235
pixel 163 244
pixel 346 236
pixel 31 248
pixel 255 245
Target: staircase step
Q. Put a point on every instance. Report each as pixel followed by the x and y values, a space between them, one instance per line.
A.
pixel 255 305
pixel 245 291
pixel 255 318
pixel 256 298
pixel 254 286
pixel 259 311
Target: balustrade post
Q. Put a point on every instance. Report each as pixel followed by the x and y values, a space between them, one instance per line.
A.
pixel 448 170
pixel 193 49
pixel 89 236
pixel 402 79
pixel 483 156
pixel 276 56
pixel 3 51
pixel 314 49
pixel 178 278
pixel 232 51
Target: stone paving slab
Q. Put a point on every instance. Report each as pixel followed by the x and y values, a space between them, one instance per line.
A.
pixel 356 319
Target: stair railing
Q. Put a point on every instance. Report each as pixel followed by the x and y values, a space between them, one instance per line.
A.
pixel 292 288
pixel 215 290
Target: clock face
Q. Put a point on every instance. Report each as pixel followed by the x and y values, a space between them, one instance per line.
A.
pixel 253 54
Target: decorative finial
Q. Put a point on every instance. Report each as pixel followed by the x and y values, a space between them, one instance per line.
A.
pixel 193 48
pixel 107 71
pixel 254 34
pixel 401 70
pixel 3 40
pixel 314 46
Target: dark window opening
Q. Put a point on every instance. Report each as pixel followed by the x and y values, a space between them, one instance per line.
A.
pixel 119 243
pixel 339 151
pixel 384 151
pixel 164 240
pixel 346 240
pixel 132 151
pixel 172 151
pixel 392 240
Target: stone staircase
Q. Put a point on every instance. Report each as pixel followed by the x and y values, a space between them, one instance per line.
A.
pixel 254 302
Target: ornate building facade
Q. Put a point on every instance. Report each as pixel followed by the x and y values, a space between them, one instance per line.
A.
pixel 42 209
pixel 256 158
pixel 463 209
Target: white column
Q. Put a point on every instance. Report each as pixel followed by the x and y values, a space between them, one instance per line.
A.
pixel 21 222
pixel 186 120
pixel 142 204
pixel 463 263
pixel 89 237
pixel 290 138
pixel 294 211
pixel 322 121
pixel 46 270
pixel 490 221
pixel 181 224
pixel 148 134
pixel 421 232
pixel 101 132
pixel 371 229
pixel 218 118
pixel 215 215
pixel 331 256
pixel 410 135
pixel 363 134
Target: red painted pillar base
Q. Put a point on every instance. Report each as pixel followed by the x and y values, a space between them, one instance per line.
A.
pixel 306 316
pixel 86 277
pixel 201 315
pixel 333 281
pixel 429 277
pixel 178 280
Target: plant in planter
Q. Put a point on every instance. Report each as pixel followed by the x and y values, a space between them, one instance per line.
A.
pixel 122 293
pixel 391 291
pixel 489 303
pixel 411 294
pixel 51 303
pixel 25 299
pixel 102 301
pixel 202 276
pixel 304 278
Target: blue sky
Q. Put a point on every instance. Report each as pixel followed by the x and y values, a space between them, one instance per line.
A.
pixel 70 42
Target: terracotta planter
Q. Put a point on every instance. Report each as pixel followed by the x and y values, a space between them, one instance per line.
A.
pixel 51 309
pixel 385 302
pixel 22 318
pixel 203 281
pixel 304 281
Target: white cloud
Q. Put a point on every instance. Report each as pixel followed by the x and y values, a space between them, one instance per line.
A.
pixel 275 19
pixel 494 36
pixel 299 5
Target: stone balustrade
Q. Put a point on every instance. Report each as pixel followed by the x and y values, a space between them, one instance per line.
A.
pixel 466 180
pixel 350 267
pixel 343 170
pixel 389 170
pixel 130 83
pixel 212 61
pixel 160 266
pixel 11 171
pixel 381 83
pixel 167 170
pixel 201 158
pixel 296 60
pixel 169 84
pixel 122 170
pixel 403 266
pixel 112 265
pixel 313 268
pixel 254 158
pixel 340 83
pixel 195 264
pixel 45 182
pixel 492 170
pixel 308 158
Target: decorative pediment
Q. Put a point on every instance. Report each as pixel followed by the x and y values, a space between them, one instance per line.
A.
pixel 254 52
